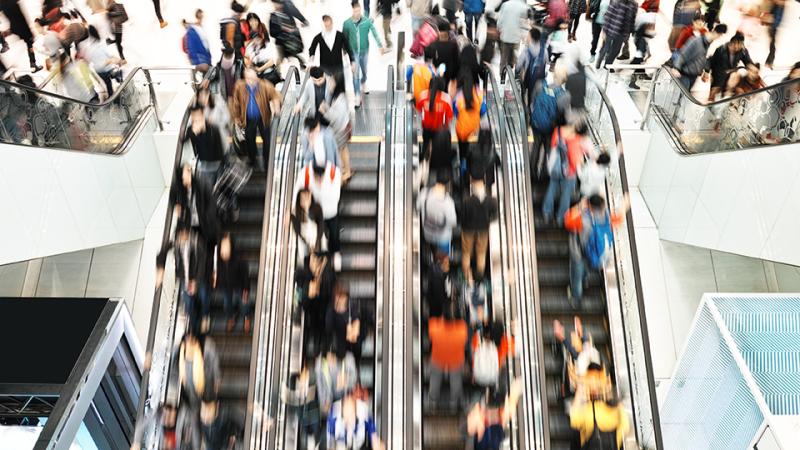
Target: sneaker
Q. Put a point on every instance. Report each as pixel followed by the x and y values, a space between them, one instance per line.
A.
pixel 364 90
pixel 110 41
pixel 645 76
pixel 36 68
pixel 633 84
pixel 358 101
pixel 163 24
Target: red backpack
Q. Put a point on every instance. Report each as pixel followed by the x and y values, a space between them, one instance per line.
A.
pixel 426 34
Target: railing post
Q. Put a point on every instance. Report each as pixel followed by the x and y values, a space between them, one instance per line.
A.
pixel 649 103
pixel 153 99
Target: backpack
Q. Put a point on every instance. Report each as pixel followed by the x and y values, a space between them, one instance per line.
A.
pixel 485 365
pixel 557 159
pixel 426 34
pixel 537 69
pixel 598 242
pixel 544 108
pixel 600 440
pixel 433 226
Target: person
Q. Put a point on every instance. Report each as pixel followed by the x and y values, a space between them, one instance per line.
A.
pixel 343 322
pixel 532 65
pixel 696 28
pixel 194 203
pixel 350 425
pixel 283 28
pixel 773 20
pixel 618 24
pixel 691 61
pixel 590 225
pixel 596 414
pixel 683 15
pixel 307 222
pixel 228 71
pixel 230 30
pixel 206 144
pixel 487 420
pixel 336 374
pixel 645 29
pixel 314 93
pixel 316 138
pixel 745 80
pixel 263 59
pixel 332 48
pixel 254 104
pixel 442 155
pixel 436 110
pixel 325 183
pixel 446 53
pixel 577 8
pixel 253 27
pixel 419 10
pixel 479 210
pixel 438 213
pixel 161 423
pixel 77 79
pixel 221 427
pixel 558 41
pixel 117 16
pixel 419 75
pixel 336 112
pixel 157 6
pixel 18 25
pixel 473 10
pixel 231 277
pixel 357 29
pixel 490 44
pixel 315 280
pixel 385 10
pixel 300 394
pixel 592 175
pixel 597 14
pixel 195 43
pixel 724 61
pixel 574 73
pixel 198 369
pixel 510 22
pixel 468 108
pixel 448 336
pixel 102 61
pixel 572 144
pixel 712 8
pixel 440 285
pixel 579 352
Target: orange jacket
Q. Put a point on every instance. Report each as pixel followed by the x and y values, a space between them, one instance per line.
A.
pixel 448 339
pixel 573 219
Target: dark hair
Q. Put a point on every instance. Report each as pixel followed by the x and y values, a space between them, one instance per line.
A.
pixel 430 53
pixel 252 15
pixel 698 16
pixel 195 107
pixel 604 159
pixel 236 7
pixel 318 170
pixel 227 50
pixel 721 28
pixel 198 12
pixel 491 22
pixel 355 3
pixel 326 18
pixel 299 213
pixel 316 72
pixel 581 128
pixel 311 122
pixel 535 34
pixel 737 37
pixel 596 201
pixel 437 84
pixel 209 396
pixel 498 330
pixel 435 10
pixel 442 176
pixel 444 27
pixel 211 102
pixel 468 72
pixel 93 33
pixel 338 85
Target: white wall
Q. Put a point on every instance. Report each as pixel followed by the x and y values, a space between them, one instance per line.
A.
pixel 55 202
pixel 742 202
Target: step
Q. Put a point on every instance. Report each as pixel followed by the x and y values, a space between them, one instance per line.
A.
pixel 360 284
pixel 360 257
pixel 358 231
pixel 234 382
pixel 358 205
pixel 363 180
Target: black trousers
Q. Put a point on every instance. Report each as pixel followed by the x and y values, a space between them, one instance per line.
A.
pixel 157 6
pixel 597 28
pixel 252 127
pixel 118 40
pixel 333 234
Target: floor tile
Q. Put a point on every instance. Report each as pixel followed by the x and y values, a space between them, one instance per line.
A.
pixel 62 279
pixel 736 273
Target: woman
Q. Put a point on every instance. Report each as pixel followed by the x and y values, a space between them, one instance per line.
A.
pixel 216 113
pixel 576 9
pixel 338 117
pixel 254 27
pixel 309 226
pixel 436 110
pixel 263 58
pixel 97 54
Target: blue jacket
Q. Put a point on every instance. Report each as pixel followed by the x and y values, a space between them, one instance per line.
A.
pixel 474 6
pixel 196 48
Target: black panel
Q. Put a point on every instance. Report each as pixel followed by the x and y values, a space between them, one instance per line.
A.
pixel 42 338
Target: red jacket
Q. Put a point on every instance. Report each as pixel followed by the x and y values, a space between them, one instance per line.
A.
pixel 686 33
pixel 441 114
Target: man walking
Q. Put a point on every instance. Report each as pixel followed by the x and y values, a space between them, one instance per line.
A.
pixel 510 22
pixel 357 30
pixel 255 101
pixel 619 22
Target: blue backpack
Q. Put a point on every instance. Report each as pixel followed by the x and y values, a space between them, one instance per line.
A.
pixel 544 108
pixel 537 66
pixel 599 241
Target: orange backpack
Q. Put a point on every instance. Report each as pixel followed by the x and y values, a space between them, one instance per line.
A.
pixel 421 79
pixel 469 120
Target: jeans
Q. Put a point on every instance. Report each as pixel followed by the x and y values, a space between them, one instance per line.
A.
pixel 574 21
pixel 540 145
pixel 472 21
pixel 252 127
pixel 190 303
pixel 577 272
pixel 437 375
pixel 360 76
pixel 611 47
pixel 567 187
pixel 597 28
pixel 107 77
pixel 416 23
pixel 233 304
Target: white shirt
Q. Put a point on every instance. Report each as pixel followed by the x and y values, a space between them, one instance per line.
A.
pixel 326 192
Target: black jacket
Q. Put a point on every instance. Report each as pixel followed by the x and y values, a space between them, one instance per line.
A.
pixel 207 145
pixel 447 53
pixel 721 63
pixel 437 296
pixel 198 261
pixel 233 274
pixel 330 59
pixel 18 23
pixel 209 224
pixel 478 213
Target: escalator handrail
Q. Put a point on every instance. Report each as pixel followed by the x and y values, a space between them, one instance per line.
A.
pixel 636 269
pixel 165 239
pixel 543 438
pixel 292 75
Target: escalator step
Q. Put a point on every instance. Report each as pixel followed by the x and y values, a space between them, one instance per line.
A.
pixel 358 231
pixel 249 216
pixel 358 257
pixel 553 300
pixel 597 331
pixel 363 180
pixel 358 205
pixel 234 382
pixel 361 285
pixel 442 432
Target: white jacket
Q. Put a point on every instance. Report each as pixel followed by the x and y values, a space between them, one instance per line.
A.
pixel 326 192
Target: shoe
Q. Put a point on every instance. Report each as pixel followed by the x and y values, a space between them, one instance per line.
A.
pixel 36 68
pixel 109 41
pixel 229 326
pixel 591 59
pixel 163 24
pixel 364 90
pixel 337 262
pixel 645 76
pixel 246 325
pixel 573 302
pixel 633 84
pixel 5 48
pixel 475 42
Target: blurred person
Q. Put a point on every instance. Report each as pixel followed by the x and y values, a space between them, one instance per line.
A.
pixel 263 59
pixel 231 30
pixel 216 113
pixel 436 111
pixel 419 75
pixel 385 10
pixel 443 155
pixel 253 27
pixel 300 394
pixel 578 352
pixel 450 8
pixel 490 44
pixel 590 224
pixel 76 77
pixel 773 19
pixel 106 65
pixel 162 421
pixel 482 157
pixel 315 93
pixel 478 211
pixel 712 8
pixel 222 78
pixel 577 8
pixel 473 10
pixel 645 30
pixel 336 112
pixel 569 146
pixel 316 280
pixel 696 28
pixel 691 61
pixel 532 65
pixel 469 69
pixel 448 336
pixel 206 144
pixel 592 175
pixel 596 414
pixel 117 16
pixel 597 14
pixel 357 29
pixel 485 359
pixel 194 203
pixel 440 285
pixel 318 140
pixel 468 109
pixel 343 322
pixel 684 14
pixel 619 22
pixel 511 23
pixel 195 43
pixel 197 367
pixel 18 25
pixel 231 277
pixel 794 72
pixel 157 6
pixel 574 83
pixel 745 80
pixel 724 61
pixel 222 427
pixel 255 102
pixel 307 222
pixel 350 426
pixel 488 420
pixel 557 11
pixel 336 374
pixel 558 41
pixel 332 48
pixel 283 28
pixel 294 12
pixel 419 9
pixel 446 54
pixel 438 213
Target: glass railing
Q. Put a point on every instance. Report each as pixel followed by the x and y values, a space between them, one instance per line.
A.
pixel 768 116
pixel 38 118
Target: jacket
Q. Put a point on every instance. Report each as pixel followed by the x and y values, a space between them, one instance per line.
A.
pixel 691 60
pixel 218 80
pixel 419 8
pixel 265 95
pixel 474 6
pixel 326 192
pixel 338 117
pixel 468 121
pixel 233 274
pixel 620 18
pixel 197 268
pixel 686 33
pixel 721 63
pixel 442 113
pixel 331 151
pixel 440 210
pixel 478 213
pixel 330 59
pixel 328 374
pixel 357 34
pixel 204 202
pixel 208 144
pixel 511 20
pixel 448 341
pixel 609 419
pixel 578 222
pixel 196 47
pixel 307 98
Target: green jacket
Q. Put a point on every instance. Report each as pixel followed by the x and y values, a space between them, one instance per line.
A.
pixel 358 34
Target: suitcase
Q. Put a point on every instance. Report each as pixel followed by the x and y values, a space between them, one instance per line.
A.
pixel 233 175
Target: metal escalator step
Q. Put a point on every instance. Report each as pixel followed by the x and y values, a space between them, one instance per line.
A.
pixel 358 205
pixel 548 248
pixel 358 231
pixel 553 300
pixel 553 391
pixel 442 432
pixel 254 189
pixel 598 332
pixel 363 180
pixel 358 257
pixel 556 272
pixel 247 241
pixel 559 426
pixel 234 382
pixel 235 352
pixel 360 284
pixel 249 216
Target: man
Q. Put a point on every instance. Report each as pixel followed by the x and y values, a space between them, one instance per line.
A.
pixel 317 138
pixel 448 336
pixel 438 213
pixel 206 143
pixel 332 48
pixel 19 26
pixel 618 25
pixel 773 19
pixel 725 60
pixel 510 22
pixel 479 210
pixel 315 94
pixel 419 9
pixel 190 272
pixel 473 10
pixel 532 65
pixel 221 428
pixel 350 425
pixel 744 81
pixel 691 61
pixel 283 28
pixel 225 74
pixel 357 29
pixel 231 277
pixel 195 43
pixel 385 10
pixel 597 14
pixel 446 52
pixel 255 101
